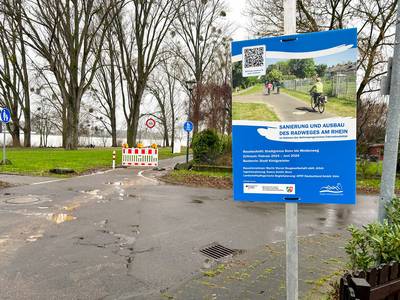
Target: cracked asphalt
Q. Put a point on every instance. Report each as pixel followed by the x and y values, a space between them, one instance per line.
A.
pixel 122 234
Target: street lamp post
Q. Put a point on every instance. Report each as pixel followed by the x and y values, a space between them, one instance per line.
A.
pixel 189 85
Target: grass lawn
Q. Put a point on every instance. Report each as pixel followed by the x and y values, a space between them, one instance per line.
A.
pixel 200 178
pixel 224 180
pixel 339 107
pixel 373 185
pixel 255 89
pixel 253 111
pixel 38 161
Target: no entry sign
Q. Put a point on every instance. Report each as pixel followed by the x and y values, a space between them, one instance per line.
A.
pixel 150 123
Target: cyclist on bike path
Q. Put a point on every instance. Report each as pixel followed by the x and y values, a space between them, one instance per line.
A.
pixel 317 89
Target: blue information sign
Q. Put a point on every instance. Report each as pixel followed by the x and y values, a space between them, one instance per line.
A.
pixel 188 126
pixel 286 149
pixel 5 115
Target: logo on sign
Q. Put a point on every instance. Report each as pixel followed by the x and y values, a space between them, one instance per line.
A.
pixel 290 189
pixel 332 190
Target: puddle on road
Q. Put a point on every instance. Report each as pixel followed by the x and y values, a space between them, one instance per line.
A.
pixel 91 192
pixel 60 218
pixel 34 238
pixel 335 217
pixel 71 207
pixel 115 183
pixel 126 240
pixel 197 201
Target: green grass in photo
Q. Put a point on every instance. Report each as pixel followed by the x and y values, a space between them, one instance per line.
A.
pixel 38 161
pixel 183 173
pixel 255 89
pixel 336 106
pixel 253 112
pixel 374 184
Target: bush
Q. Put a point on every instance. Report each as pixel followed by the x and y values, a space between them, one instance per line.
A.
pixel 206 147
pixel 183 166
pixel 226 144
pixel 376 243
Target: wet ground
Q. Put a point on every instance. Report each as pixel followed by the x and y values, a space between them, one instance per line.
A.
pixel 123 235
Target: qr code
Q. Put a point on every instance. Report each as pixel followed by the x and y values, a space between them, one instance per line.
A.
pixel 254 57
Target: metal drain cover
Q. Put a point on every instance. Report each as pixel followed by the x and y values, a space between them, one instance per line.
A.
pixel 23 200
pixel 217 251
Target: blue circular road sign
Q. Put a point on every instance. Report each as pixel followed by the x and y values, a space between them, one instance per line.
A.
pixel 188 126
pixel 5 115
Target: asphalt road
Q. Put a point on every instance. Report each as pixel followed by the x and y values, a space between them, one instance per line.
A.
pixel 123 235
pixel 286 107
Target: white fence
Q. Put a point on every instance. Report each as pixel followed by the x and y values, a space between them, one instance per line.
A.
pixel 339 85
pixel 144 157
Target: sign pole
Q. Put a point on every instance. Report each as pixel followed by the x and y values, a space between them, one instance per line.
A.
pixel 392 130
pixel 292 246
pixel 4 143
pixel 187 147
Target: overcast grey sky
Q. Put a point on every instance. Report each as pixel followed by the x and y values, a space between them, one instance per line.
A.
pixel 235 15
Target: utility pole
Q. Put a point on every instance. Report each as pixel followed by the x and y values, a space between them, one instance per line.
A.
pixel 292 246
pixel 392 130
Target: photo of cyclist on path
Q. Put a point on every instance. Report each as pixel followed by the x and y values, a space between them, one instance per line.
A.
pixel 298 89
pixel 317 89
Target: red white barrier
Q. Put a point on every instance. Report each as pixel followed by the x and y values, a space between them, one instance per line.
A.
pixel 144 157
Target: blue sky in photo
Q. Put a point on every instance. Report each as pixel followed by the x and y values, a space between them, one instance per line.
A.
pixel 330 60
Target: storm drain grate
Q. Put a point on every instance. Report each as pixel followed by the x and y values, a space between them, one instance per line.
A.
pixel 216 251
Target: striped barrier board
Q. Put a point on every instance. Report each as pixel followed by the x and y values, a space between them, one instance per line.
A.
pixel 144 157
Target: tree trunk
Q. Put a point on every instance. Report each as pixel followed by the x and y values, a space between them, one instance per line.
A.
pixel 64 124
pixel 14 132
pixel 27 128
pixel 166 138
pixel 113 130
pixel 173 132
pixel 72 134
pixel 133 124
pixel 130 136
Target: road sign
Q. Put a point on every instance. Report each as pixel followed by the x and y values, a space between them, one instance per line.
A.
pixel 306 156
pixel 5 115
pixel 188 126
pixel 150 123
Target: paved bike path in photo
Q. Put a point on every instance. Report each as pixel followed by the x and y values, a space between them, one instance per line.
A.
pixel 286 107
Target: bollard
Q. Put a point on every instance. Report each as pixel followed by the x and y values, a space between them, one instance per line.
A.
pixel 113 162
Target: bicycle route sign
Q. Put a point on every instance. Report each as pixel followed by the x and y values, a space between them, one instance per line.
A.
pixel 296 143
pixel 5 115
pixel 188 126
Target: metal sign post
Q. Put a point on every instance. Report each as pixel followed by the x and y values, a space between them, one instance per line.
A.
pixel 292 246
pixel 188 127
pixel 3 125
pixel 392 129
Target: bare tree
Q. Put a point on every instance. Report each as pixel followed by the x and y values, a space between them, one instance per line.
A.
pixel 63 33
pixel 106 84
pixel 43 120
pixel 14 79
pixel 377 33
pixel 312 15
pixel 141 29
pixel 371 123
pixel 159 91
pixel 376 19
pixel 198 32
